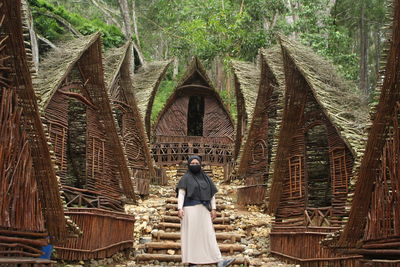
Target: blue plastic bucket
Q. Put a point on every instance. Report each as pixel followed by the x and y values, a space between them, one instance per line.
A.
pixel 47 252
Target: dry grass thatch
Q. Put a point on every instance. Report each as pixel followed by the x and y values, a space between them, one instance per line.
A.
pixel 248 77
pixel 57 64
pixel 347 110
pixel 146 82
pixel 113 60
pixel 194 68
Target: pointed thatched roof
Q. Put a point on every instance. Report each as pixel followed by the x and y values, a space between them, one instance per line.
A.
pixel 57 64
pixel 248 77
pixel 196 77
pixel 389 93
pixel 113 60
pixel 342 105
pixel 344 109
pixel 20 68
pixel 145 83
pixel 272 58
pixel 195 68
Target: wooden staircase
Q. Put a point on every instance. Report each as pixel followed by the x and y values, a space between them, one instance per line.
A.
pixel 165 243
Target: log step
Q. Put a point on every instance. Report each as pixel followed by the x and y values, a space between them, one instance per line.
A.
pixel 175 245
pixel 175 213
pixel 233 237
pixel 175 219
pixel 175 201
pixel 177 258
pixel 164 225
pixel 175 207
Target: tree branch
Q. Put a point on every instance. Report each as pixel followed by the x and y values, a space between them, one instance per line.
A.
pixel 64 22
pixel 46 41
pixel 163 29
pixel 107 13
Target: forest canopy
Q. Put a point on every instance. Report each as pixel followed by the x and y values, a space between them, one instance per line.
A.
pixel 351 34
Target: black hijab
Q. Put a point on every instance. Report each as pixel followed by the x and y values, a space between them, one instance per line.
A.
pixel 198 186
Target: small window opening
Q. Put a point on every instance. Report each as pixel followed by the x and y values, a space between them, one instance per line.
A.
pixel 318 168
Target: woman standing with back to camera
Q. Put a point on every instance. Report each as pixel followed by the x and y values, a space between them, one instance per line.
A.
pixel 197 208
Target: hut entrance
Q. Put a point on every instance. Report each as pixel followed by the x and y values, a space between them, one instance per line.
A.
pixel 195 116
pixel 76 144
pixel 319 189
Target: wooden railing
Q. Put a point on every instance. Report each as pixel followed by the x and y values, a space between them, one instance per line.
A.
pixel 176 153
pixel 76 197
pixel 104 233
pixel 160 178
pixel 318 216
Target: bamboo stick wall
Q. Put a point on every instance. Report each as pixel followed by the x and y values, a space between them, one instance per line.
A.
pixel 313 169
pixel 172 141
pixel 30 204
pixel 133 141
pixel 373 226
pixel 107 232
pixel 97 171
pixel 129 122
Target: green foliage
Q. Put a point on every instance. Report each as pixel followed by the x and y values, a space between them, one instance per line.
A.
pixel 53 30
pixel 230 100
pixel 208 28
pixel 164 92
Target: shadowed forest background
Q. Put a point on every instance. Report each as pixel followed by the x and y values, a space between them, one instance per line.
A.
pixel 349 33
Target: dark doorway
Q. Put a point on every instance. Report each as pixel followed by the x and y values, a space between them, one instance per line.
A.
pixel 319 186
pixel 76 144
pixel 195 116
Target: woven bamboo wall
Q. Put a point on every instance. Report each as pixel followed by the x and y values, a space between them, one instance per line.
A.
pixel 133 139
pixel 302 246
pixel 30 206
pixel 105 233
pixel 173 145
pixel 98 172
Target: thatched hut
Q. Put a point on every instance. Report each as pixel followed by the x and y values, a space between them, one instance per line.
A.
pixel 30 204
pixel 247 82
pixel 320 139
pixel 91 162
pixel 257 150
pixel 145 83
pixel 129 122
pixel 193 121
pixel 373 228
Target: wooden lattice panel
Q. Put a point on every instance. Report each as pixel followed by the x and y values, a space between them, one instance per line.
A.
pixel 384 216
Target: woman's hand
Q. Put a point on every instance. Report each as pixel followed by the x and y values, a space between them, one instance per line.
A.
pixel 213 214
pixel 180 213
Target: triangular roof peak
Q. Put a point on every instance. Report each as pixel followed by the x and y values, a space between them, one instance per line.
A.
pixel 345 108
pixel 58 64
pixel 195 74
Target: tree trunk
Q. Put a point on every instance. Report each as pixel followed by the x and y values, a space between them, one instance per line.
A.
pixel 109 17
pixel 219 73
pixel 134 19
pixel 363 51
pixel 291 18
pixel 176 67
pixel 377 52
pixel 123 6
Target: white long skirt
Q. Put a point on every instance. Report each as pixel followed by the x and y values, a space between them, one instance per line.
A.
pixel 198 240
